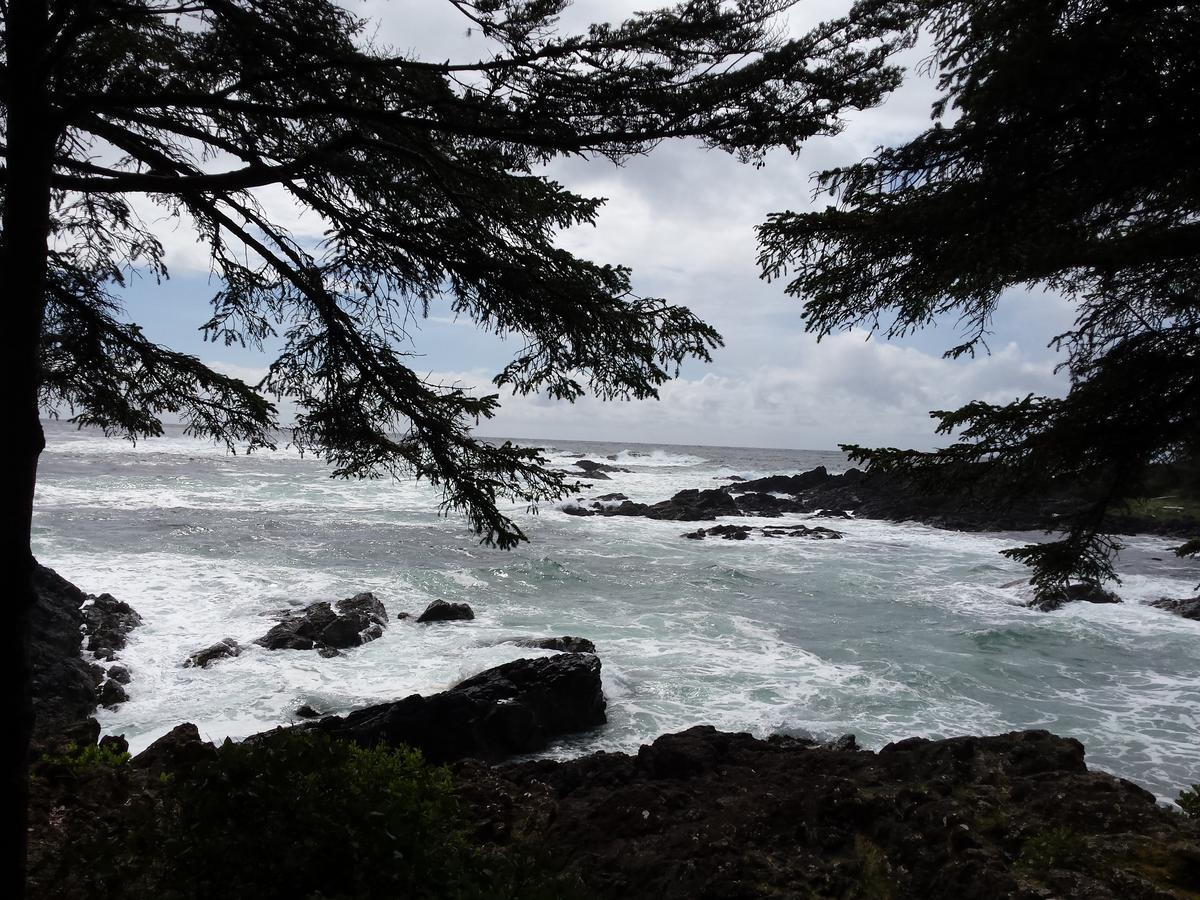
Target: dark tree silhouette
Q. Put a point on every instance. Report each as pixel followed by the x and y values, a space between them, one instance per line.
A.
pixel 1065 153
pixel 426 178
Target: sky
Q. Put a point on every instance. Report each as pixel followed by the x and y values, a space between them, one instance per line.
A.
pixel 683 219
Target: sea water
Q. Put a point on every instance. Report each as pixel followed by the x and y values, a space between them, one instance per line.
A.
pixel 895 630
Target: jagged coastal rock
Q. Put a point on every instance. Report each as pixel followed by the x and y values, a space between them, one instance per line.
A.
pixel 348 623
pixel 564 644
pixel 441 611
pixel 1189 608
pixel 66 687
pixel 514 708
pixel 742 532
pixel 222 649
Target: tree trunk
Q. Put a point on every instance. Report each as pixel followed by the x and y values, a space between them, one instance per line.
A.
pixel 23 259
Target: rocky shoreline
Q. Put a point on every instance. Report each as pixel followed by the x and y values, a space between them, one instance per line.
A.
pixel 696 814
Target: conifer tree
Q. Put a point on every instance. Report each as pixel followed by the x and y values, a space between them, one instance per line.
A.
pixel 425 175
pixel 1064 154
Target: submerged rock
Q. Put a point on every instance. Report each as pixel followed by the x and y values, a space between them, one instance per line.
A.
pixel 1073 593
pixel 1189 608
pixel 222 649
pixel 564 644
pixel 742 532
pixel 357 620
pixel 514 708
pixel 726 532
pixel 596 469
pixel 441 611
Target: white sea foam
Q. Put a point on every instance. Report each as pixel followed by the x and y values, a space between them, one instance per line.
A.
pixel 892 631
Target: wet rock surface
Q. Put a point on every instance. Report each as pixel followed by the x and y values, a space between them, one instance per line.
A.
pixel 349 623
pixel 742 532
pixel 860 494
pixel 64 683
pixel 1189 608
pixel 710 814
pixel 1074 593
pixel 514 708
pixel 564 644
pixel 225 648
pixel 441 611
pixel 67 687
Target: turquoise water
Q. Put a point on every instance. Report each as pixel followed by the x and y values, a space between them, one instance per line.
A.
pixel 896 630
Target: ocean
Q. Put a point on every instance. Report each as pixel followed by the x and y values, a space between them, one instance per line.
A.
pixel 894 631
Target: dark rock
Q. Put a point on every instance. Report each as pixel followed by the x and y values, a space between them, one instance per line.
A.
pixel 710 814
pixel 177 751
pixel 402 616
pixel 725 532
pixel 64 683
pixel 686 506
pixel 112 694
pixel 356 620
pixel 610 498
pixel 514 708
pixel 304 711
pixel 299 631
pixel 107 623
pixel 817 533
pixel 845 743
pixel 119 674
pixel 565 644
pixel 786 484
pixel 328 652
pixel 222 649
pixel 1189 609
pixel 1074 593
pixel 741 532
pixel 595 469
pixel 441 611
pixel 572 509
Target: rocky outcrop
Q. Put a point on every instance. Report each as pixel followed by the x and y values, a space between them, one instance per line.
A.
pixel 66 687
pixel 564 644
pixel 177 751
pixel 222 649
pixel 1189 609
pixel 596 469
pixel 355 620
pixel 64 683
pixel 441 611
pixel 710 814
pixel 686 506
pixel 514 708
pixel 107 622
pixel 1074 593
pixel 742 532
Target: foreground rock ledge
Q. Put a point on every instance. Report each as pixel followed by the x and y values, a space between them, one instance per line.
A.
pixel 710 814
pixel 514 708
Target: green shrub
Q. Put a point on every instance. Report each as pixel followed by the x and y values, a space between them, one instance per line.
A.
pixel 82 760
pixel 1189 801
pixel 306 816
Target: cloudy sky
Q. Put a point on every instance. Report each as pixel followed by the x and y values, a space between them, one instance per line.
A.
pixel 683 218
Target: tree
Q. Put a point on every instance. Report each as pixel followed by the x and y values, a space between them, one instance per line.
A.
pixel 1065 154
pixel 426 177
